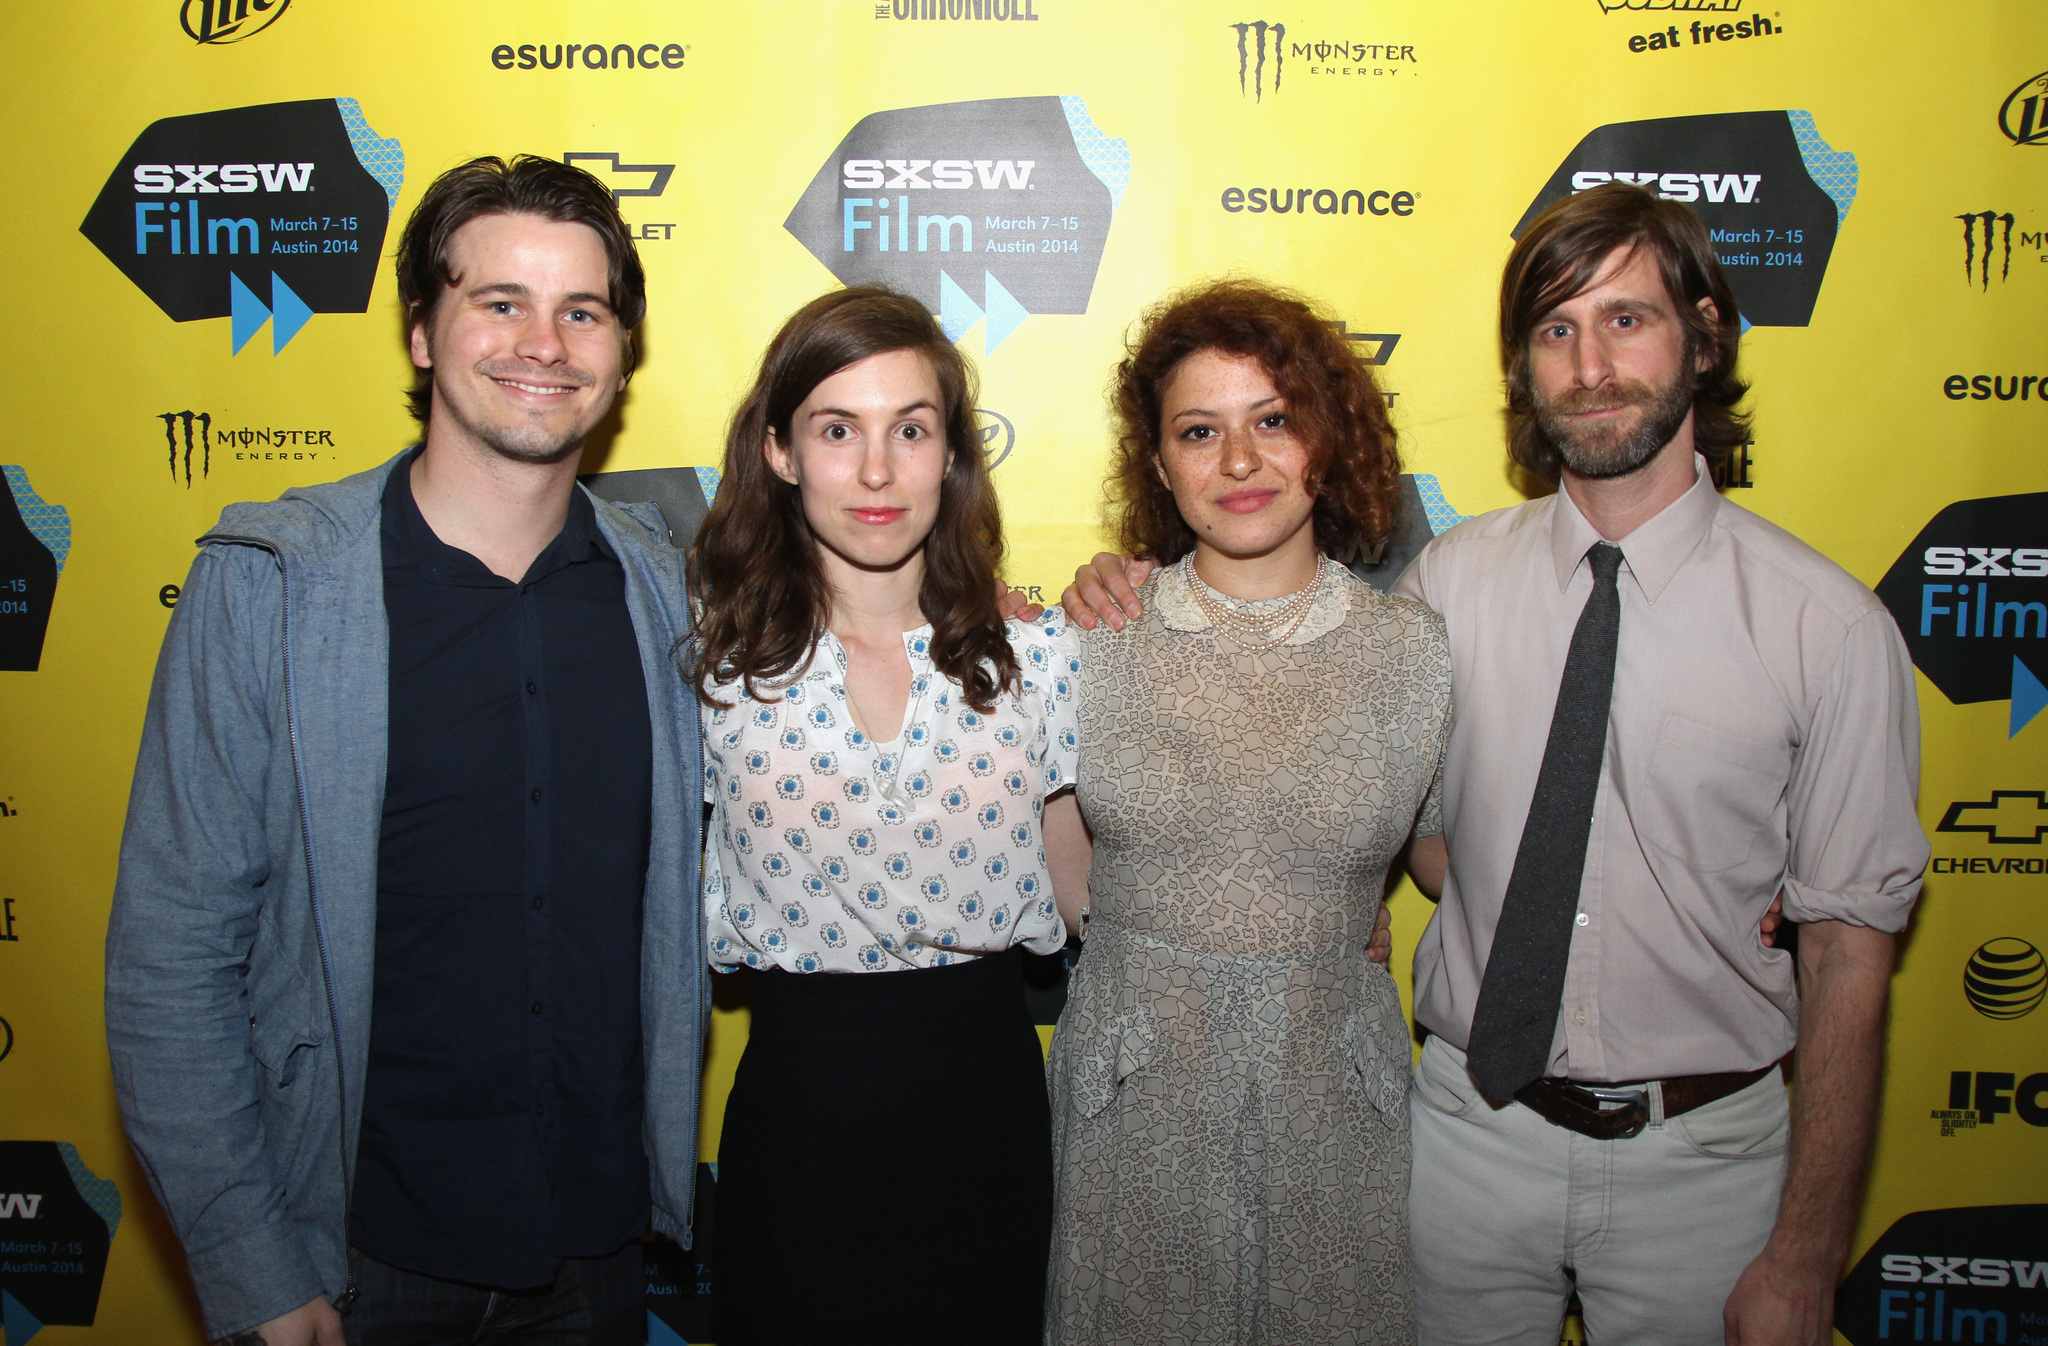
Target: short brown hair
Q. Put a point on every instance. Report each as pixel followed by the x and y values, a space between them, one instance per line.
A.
pixel 1560 254
pixel 1354 465
pixel 754 575
pixel 529 185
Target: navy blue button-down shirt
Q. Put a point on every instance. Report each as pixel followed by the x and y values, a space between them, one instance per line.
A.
pixel 502 1109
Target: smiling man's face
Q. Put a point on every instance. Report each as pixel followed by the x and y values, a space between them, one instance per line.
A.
pixel 526 352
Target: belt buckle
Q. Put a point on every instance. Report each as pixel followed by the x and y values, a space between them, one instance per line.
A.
pixel 1612 1099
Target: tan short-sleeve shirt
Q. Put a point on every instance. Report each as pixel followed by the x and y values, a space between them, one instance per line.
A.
pixel 1764 737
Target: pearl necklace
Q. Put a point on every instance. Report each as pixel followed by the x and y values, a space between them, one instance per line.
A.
pixel 1255 632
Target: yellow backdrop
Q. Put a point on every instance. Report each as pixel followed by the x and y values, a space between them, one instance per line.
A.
pixel 738 134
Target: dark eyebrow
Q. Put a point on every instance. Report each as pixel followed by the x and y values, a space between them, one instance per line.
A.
pixel 922 404
pixel 1617 304
pixel 1204 411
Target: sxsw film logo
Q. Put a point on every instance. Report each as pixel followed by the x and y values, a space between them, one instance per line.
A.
pixel 2023 116
pixel 1970 595
pixel 256 214
pixel 1967 1274
pixel 1771 192
pixel 35 539
pixel 57 1221
pixel 216 23
pixel 1019 190
pixel 2005 978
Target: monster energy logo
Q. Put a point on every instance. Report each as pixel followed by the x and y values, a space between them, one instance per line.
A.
pixel 1990 219
pixel 1257 57
pixel 203 441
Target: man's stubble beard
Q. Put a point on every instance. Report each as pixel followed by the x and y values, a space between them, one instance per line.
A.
pixel 528 443
pixel 1600 455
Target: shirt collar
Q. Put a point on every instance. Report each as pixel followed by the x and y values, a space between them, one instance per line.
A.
pixel 1655 550
pixel 412 542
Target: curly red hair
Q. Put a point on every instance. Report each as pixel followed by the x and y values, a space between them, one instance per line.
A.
pixel 1354 465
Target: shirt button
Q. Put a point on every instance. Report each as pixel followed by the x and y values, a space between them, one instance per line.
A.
pixel 538 901
pixel 1584 919
pixel 532 688
pixel 1582 1016
pixel 539 1109
pixel 536 796
pixel 536 1010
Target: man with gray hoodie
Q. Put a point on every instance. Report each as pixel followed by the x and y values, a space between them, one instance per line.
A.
pixel 405 997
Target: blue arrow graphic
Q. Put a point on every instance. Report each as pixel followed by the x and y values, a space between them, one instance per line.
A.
pixel 246 313
pixel 957 313
pixel 1004 313
pixel 2029 697
pixel 292 313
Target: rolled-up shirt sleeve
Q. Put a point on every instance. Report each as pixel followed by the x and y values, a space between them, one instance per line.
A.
pixel 1857 849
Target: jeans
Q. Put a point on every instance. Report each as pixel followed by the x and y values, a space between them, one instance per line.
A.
pixel 593 1301
pixel 1508 1214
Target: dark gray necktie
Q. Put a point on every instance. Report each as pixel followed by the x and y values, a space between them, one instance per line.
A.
pixel 1516 1017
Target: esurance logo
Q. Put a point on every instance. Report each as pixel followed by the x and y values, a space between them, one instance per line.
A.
pixel 215 23
pixel 1007 198
pixel 1970 595
pixel 1967 1274
pixel 1771 192
pixel 256 214
pixel 2023 116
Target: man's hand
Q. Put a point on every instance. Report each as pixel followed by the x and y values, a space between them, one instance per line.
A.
pixel 1774 916
pixel 313 1323
pixel 1106 588
pixel 1381 946
pixel 1786 1297
pixel 1780 1303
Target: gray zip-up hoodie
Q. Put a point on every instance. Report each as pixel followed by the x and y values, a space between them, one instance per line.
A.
pixel 239 954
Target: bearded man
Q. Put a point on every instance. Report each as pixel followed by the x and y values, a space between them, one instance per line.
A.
pixel 1669 714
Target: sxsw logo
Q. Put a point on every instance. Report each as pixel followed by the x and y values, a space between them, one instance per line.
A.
pixel 995 174
pixel 1965 1274
pixel 1737 187
pixel 216 23
pixel 20 1205
pixel 263 215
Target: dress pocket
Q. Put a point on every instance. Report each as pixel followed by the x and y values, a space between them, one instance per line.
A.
pixel 1372 1046
pixel 1712 796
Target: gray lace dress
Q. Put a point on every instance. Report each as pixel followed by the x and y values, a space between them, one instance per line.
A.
pixel 1230 1077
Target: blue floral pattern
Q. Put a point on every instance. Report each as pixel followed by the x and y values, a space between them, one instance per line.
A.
pixel 947 862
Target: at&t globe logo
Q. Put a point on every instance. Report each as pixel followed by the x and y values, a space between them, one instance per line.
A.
pixel 2005 979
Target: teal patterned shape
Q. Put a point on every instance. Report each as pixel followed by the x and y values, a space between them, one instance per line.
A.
pixel 1834 171
pixel 1107 159
pixel 707 482
pixel 51 524
pixel 1441 515
pixel 382 158
pixel 99 1193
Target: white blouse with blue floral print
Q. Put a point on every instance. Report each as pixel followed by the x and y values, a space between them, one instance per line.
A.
pixel 833 853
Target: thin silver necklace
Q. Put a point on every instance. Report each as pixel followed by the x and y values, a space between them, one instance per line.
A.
pixel 1256 632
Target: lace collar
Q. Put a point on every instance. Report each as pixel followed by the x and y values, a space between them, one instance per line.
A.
pixel 1171 598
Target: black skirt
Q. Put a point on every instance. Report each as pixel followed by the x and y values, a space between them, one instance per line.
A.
pixel 885 1171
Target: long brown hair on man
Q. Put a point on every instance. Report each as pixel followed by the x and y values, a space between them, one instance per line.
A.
pixel 1331 400
pixel 761 595
pixel 1561 253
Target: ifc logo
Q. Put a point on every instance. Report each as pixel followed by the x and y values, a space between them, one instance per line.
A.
pixel 2005 979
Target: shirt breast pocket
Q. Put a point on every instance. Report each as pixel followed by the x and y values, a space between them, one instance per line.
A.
pixel 1713 797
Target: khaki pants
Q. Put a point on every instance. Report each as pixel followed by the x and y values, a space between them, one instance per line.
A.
pixel 1509 1214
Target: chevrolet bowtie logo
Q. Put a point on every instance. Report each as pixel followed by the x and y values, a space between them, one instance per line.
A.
pixel 2008 818
pixel 608 170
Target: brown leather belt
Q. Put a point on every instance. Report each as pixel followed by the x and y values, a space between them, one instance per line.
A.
pixel 1618 1111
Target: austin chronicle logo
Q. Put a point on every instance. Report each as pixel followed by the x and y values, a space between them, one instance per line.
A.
pixel 2022 115
pixel 2005 979
pixel 215 23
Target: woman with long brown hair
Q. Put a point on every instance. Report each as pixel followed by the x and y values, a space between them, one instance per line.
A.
pixel 879 749
pixel 1230 1075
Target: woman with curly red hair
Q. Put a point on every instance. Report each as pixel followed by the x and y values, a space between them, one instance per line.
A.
pixel 1230 1076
